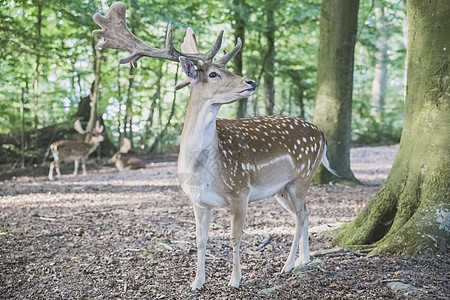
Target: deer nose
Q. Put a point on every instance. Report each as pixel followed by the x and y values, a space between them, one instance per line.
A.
pixel 251 83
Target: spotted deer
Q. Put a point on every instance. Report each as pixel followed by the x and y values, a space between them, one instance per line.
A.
pixel 76 151
pixel 229 163
pixel 124 161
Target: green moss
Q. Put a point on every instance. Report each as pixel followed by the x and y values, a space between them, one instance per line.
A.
pixel 423 234
pixel 372 223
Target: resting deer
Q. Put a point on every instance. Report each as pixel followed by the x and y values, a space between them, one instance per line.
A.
pixel 124 161
pixel 66 150
pixel 229 163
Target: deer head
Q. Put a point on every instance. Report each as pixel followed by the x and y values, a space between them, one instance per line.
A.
pixel 124 161
pixel 96 132
pixel 209 79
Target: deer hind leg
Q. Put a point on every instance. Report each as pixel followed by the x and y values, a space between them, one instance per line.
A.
pixel 292 198
pixel 202 220
pixel 58 172
pixel 238 212
pixel 303 250
pixel 75 167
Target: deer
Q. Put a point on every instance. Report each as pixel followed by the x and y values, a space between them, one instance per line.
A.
pixel 124 161
pixel 76 151
pixel 229 163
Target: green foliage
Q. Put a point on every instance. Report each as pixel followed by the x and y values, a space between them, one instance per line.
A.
pixel 64 52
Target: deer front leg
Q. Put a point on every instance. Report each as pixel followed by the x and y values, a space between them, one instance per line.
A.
pixel 202 219
pixel 238 215
pixel 50 172
pixel 58 172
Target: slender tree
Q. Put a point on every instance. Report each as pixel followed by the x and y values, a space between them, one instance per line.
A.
pixel 333 110
pixel 94 94
pixel 128 117
pixel 269 61
pixel 37 48
pixel 411 212
pixel 379 82
pixel 239 32
pixel 150 120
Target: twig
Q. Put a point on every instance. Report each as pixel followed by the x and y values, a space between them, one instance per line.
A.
pixel 100 211
pixel 45 218
pixel 52 234
pixel 264 242
pixel 132 249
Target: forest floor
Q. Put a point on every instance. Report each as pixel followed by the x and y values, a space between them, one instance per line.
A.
pixel 131 235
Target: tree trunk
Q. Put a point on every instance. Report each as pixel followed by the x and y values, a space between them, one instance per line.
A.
pixel 95 89
pixel 161 135
pixel 269 63
pixel 301 103
pixel 239 32
pixel 128 118
pixel 380 78
pixel 22 130
pixel 119 96
pixel 411 213
pixel 36 70
pixel 333 110
pixel 156 96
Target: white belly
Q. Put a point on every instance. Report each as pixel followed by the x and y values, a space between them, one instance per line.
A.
pixel 204 196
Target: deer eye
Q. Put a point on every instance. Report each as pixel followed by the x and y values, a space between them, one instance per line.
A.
pixel 213 75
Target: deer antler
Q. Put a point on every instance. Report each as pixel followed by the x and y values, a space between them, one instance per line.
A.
pixel 226 58
pixel 78 127
pixel 126 146
pixel 98 129
pixel 189 44
pixel 117 36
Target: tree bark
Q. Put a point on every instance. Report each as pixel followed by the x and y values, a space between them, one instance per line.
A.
pixel 269 63
pixel 333 110
pixel 411 212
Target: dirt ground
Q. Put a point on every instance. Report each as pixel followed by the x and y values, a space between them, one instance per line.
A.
pixel 131 235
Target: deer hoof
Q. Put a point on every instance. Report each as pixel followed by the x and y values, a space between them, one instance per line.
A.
pixel 287 268
pixel 197 284
pixel 234 283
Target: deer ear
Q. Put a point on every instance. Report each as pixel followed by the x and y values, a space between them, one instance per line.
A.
pixel 188 67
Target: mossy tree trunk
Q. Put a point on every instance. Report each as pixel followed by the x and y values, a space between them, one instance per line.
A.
pixel 411 213
pixel 333 110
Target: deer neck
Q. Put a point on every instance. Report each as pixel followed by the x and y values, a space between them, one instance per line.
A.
pixel 199 139
pixel 93 145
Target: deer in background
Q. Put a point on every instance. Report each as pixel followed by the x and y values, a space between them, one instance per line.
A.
pixel 229 163
pixel 124 161
pixel 76 151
